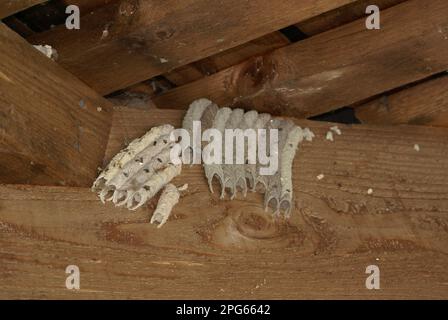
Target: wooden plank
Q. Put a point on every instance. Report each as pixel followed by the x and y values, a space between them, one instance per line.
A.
pixel 321 73
pixel 225 59
pixel 10 7
pixel 339 16
pixel 51 131
pixel 88 6
pixel 127 42
pixel 425 103
pixel 18 26
pixel 233 249
pixel 275 40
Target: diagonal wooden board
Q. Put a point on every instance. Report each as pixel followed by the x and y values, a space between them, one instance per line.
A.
pixel 130 41
pixel 233 249
pixel 10 7
pixel 319 74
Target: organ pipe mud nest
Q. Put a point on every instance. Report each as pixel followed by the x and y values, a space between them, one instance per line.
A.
pixel 146 167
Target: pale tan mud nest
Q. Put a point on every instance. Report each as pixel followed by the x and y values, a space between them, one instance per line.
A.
pixel 146 167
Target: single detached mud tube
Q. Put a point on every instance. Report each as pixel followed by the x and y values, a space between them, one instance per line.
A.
pixel 153 186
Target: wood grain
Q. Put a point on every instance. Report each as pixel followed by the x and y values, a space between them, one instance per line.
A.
pixel 9 7
pixel 51 131
pixel 425 103
pixel 342 15
pixel 133 40
pixel 234 250
pixel 333 69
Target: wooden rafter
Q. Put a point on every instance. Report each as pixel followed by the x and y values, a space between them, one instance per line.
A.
pixel 315 25
pixel 336 228
pixel 319 74
pixel 425 103
pixel 346 14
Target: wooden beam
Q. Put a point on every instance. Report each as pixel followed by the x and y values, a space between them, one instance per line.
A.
pixel 88 6
pixel 225 59
pixel 425 103
pixel 340 16
pixel 333 69
pixel 275 40
pixel 53 128
pixel 335 232
pixel 10 7
pixel 130 41
pixel 18 26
